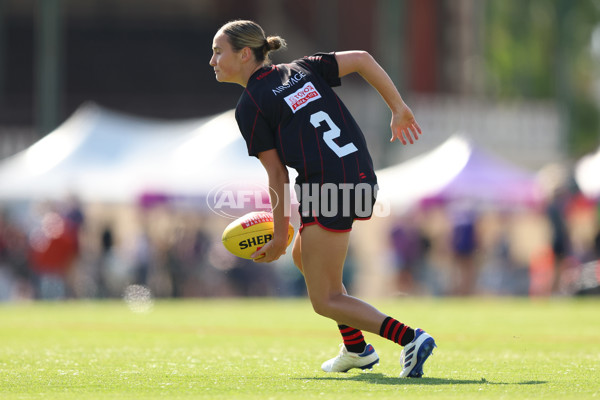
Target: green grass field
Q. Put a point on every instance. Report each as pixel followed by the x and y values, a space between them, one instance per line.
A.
pixel 273 349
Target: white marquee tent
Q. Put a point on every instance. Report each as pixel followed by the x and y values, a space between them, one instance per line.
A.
pixel 587 175
pixel 457 170
pixel 104 156
pixel 91 155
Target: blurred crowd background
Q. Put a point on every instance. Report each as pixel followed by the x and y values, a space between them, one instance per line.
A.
pixel 519 80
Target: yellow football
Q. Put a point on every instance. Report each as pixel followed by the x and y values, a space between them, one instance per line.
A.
pixel 250 233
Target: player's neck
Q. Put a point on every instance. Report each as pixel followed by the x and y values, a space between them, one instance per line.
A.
pixel 251 72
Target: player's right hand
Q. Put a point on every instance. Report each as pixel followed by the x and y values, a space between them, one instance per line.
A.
pixel 404 126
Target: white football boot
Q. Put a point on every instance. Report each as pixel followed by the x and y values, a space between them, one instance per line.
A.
pixel 415 354
pixel 347 360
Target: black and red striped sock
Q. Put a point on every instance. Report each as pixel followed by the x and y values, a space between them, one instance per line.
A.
pixel 396 331
pixel 353 339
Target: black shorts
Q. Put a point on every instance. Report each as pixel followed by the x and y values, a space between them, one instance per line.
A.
pixel 335 207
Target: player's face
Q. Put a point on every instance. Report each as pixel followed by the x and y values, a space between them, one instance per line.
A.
pixel 225 61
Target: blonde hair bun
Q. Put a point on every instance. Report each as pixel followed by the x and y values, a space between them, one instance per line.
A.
pixel 275 43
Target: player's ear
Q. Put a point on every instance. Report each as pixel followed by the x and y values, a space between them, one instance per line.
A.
pixel 246 53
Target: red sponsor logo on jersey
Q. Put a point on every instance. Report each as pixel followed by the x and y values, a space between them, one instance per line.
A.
pixel 302 97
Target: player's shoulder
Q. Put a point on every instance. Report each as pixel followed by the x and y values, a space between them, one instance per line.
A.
pixel 256 93
pixel 317 58
pixel 260 82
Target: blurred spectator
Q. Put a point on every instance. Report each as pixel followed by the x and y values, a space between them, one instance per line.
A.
pixel 464 246
pixel 436 230
pixel 561 243
pixel 501 273
pixel 582 222
pixel 177 254
pixel 198 260
pixel 73 212
pixel 15 275
pixel 142 258
pixel 107 242
pixel 186 257
pixel 409 246
pixel 53 248
pixel 77 277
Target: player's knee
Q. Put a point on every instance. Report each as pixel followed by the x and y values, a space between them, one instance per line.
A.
pixel 320 308
pixel 323 306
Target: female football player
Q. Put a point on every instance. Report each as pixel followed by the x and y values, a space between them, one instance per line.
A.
pixel 289 115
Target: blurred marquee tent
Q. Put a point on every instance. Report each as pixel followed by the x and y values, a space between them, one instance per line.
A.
pixel 457 171
pixel 587 175
pixel 101 155
pixel 95 154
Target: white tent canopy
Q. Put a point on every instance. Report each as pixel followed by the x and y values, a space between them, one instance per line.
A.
pixel 105 156
pixel 587 175
pixel 96 154
pixel 405 184
pixel 456 171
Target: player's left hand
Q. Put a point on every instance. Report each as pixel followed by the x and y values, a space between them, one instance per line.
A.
pixel 271 251
pixel 404 126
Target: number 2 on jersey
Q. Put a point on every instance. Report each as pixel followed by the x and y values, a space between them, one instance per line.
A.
pixel 334 132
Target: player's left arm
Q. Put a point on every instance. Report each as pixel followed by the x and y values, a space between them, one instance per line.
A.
pixel 278 190
pixel 403 120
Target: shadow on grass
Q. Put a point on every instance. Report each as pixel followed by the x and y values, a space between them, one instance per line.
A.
pixel 380 379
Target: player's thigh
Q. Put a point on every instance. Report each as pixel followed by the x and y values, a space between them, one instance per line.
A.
pixel 323 256
pixel 297 252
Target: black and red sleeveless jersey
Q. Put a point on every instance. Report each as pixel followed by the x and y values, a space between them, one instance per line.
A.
pixel 292 108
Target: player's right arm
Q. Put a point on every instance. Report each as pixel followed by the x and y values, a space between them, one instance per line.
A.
pixel 278 190
pixel 403 120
